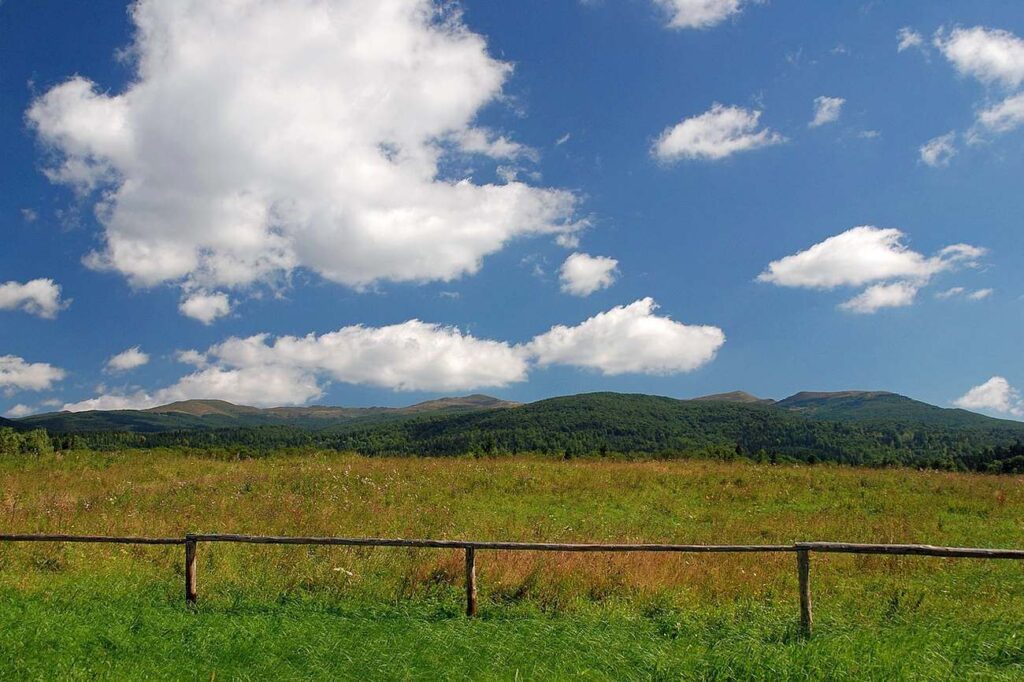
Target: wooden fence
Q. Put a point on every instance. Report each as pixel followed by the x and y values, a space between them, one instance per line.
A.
pixel 802 550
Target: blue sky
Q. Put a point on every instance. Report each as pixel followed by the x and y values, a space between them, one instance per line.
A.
pixel 285 189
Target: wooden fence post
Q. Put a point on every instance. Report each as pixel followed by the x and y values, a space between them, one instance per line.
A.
pixel 190 570
pixel 803 567
pixel 470 582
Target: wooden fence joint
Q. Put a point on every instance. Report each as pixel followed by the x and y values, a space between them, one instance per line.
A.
pixel 190 570
pixel 803 567
pixel 470 581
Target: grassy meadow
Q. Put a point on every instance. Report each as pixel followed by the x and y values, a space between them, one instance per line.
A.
pixel 287 612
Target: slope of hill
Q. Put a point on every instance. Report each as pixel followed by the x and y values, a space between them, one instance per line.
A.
pixel 599 423
pixel 213 414
pixel 850 427
pixel 874 406
pixel 735 397
pixel 202 408
pixel 11 424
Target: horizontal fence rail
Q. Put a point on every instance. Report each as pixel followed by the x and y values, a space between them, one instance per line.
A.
pixel 911 550
pixel 475 544
pixel 107 539
pixel 802 550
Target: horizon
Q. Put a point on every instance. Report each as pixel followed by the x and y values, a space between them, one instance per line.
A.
pixel 757 195
pixel 771 401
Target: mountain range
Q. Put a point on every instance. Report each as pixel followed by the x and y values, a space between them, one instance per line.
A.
pixel 189 415
pixel 851 427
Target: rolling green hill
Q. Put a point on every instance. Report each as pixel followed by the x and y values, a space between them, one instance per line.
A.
pixel 851 427
pixel 191 415
pixel 11 424
pixel 605 423
pixel 873 406
pixel 735 397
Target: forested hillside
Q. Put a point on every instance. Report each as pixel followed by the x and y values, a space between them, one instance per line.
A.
pixel 188 415
pixel 607 423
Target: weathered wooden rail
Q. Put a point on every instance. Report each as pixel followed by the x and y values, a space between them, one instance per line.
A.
pixel 802 550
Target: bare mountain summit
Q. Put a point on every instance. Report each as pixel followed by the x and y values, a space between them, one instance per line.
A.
pixel 736 397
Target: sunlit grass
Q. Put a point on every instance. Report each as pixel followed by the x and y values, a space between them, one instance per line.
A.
pixel 668 615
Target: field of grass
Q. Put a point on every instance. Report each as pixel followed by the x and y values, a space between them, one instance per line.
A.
pixel 117 612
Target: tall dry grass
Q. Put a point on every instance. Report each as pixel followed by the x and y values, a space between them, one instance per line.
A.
pixel 168 493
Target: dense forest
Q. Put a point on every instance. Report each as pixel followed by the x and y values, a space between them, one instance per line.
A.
pixel 20 442
pixel 603 424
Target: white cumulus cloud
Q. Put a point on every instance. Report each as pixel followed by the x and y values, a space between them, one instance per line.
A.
pixel 878 296
pixel 717 133
pixel 1003 117
pixel 987 54
pixel 961 292
pixel 699 13
pixel 419 356
pixel 909 38
pixel 980 294
pixel 826 110
pixel 868 255
pixel 582 274
pixel 994 57
pixel 952 292
pixel 411 356
pixel 996 395
pixel 629 339
pixel 204 306
pixel 861 255
pixel 191 357
pixel 127 360
pixel 257 137
pixel 17 374
pixel 40 297
pixel 290 370
pixel 19 411
pixel 939 150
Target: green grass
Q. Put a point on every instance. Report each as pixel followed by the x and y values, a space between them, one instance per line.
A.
pixel 110 630
pixel 117 612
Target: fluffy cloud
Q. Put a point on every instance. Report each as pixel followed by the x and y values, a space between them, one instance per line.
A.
pixel 583 274
pixel 290 370
pixel 909 38
pixel 698 13
pixel 868 255
pixel 418 356
pixel 990 55
pixel 412 356
pixel 205 307
pixel 996 395
pixel 40 297
pixel 1003 117
pixel 191 357
pixel 127 360
pixel 826 110
pixel 878 296
pixel 861 255
pixel 17 374
pixel 629 339
pixel 260 137
pixel 961 292
pixel 994 57
pixel 952 292
pixel 980 294
pixel 715 134
pixel 19 411
pixel 939 150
